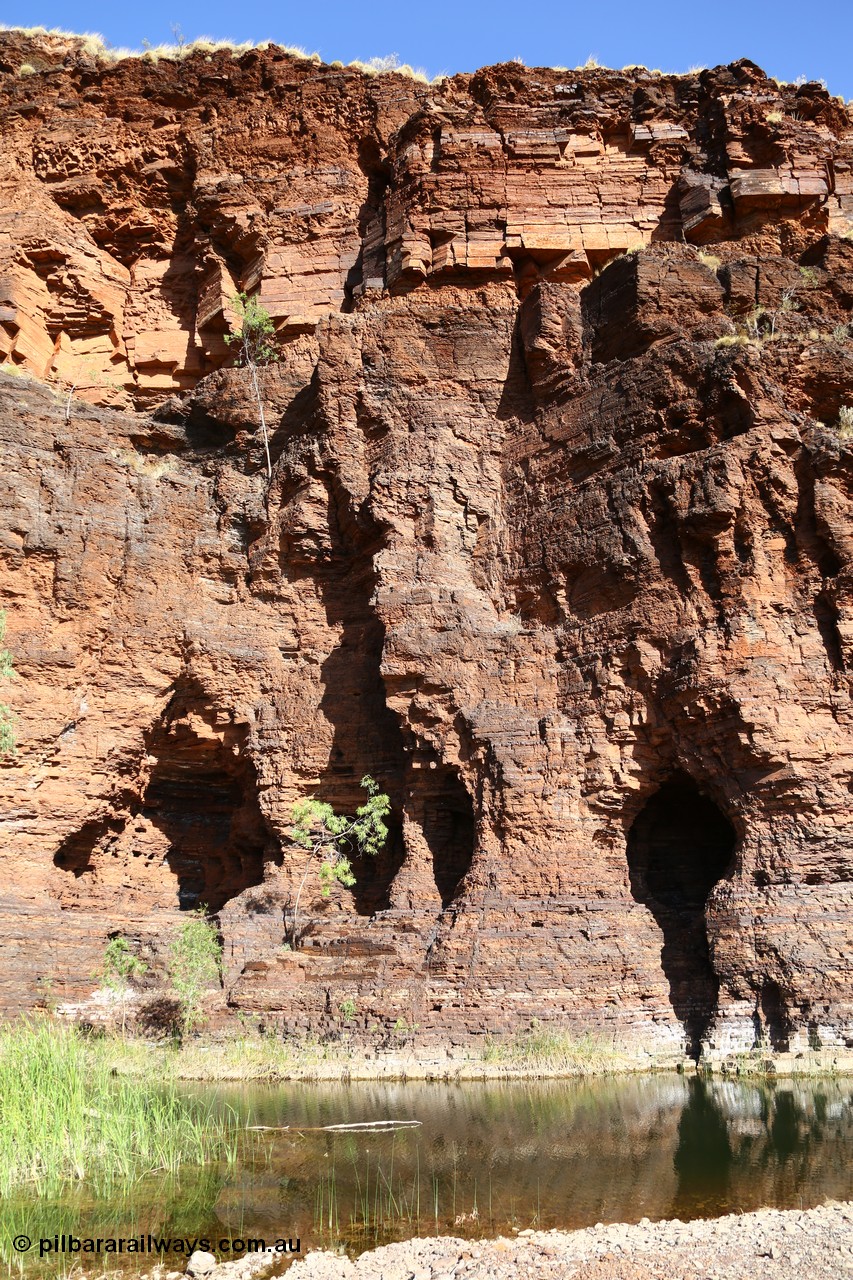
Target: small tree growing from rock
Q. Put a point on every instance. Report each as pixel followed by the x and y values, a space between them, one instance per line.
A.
pixel 332 839
pixel 195 963
pixel 255 349
pixel 7 715
pixel 121 966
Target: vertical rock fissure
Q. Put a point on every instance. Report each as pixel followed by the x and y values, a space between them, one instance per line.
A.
pixel 366 737
pixel 366 734
pixel 429 799
pixel 679 846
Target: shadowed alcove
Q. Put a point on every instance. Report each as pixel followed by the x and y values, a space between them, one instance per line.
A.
pixel 440 832
pixel 679 846
pixel 195 830
pixel 202 794
pixel 449 829
pixel 375 875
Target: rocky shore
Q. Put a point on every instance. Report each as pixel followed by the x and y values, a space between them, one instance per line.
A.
pixel 770 1244
pixel 767 1245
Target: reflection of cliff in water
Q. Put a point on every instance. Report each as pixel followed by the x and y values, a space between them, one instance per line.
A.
pixel 551 1154
pixel 703 1158
pixel 557 1154
pixel 741 1145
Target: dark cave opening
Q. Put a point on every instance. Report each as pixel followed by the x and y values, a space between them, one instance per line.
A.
pixel 772 1019
pixel 202 795
pixel 679 846
pixel 374 875
pixel 447 817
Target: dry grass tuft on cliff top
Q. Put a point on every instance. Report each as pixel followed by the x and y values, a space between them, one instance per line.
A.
pixel 845 421
pixel 95 46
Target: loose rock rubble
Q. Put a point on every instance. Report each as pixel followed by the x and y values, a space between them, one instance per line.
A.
pixel 815 1244
pixel 204 1266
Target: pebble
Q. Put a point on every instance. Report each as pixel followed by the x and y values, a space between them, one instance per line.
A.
pixel 201 1263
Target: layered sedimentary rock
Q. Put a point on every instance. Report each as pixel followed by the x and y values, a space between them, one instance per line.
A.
pixel 556 544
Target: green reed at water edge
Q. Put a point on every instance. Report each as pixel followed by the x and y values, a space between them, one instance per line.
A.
pixel 65 1116
pixel 162 1204
pixel 385 1205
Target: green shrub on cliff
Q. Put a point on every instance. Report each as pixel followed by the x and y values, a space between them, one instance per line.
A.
pixel 121 966
pixel 254 342
pixel 333 838
pixel 254 338
pixel 195 963
pixel 7 716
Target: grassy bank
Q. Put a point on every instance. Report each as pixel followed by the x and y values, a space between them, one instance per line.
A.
pixel 546 1049
pixel 538 1054
pixel 65 1114
pixel 246 1057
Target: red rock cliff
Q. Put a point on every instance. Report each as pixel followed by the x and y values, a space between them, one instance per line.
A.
pixel 557 543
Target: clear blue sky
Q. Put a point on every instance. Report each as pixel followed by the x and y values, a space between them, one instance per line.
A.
pixel 788 39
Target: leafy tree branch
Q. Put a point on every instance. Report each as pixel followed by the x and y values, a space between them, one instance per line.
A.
pixel 195 963
pixel 332 839
pixel 121 966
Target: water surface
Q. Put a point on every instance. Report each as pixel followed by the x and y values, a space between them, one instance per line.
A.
pixel 485 1159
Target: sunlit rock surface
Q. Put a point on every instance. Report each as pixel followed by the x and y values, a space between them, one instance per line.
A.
pixel 557 544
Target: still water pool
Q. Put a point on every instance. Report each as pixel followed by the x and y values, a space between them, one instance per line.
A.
pixel 484 1159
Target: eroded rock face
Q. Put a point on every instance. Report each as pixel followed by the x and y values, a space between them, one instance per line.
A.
pixel 556 546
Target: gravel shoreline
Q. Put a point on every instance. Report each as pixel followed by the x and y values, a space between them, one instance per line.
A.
pixel 770 1244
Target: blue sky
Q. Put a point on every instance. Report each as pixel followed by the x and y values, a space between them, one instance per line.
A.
pixel 788 39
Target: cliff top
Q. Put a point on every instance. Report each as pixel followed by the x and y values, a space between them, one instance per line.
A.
pixel 140 193
pixel 42 49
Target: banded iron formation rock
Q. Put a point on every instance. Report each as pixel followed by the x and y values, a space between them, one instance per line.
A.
pixel 557 544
